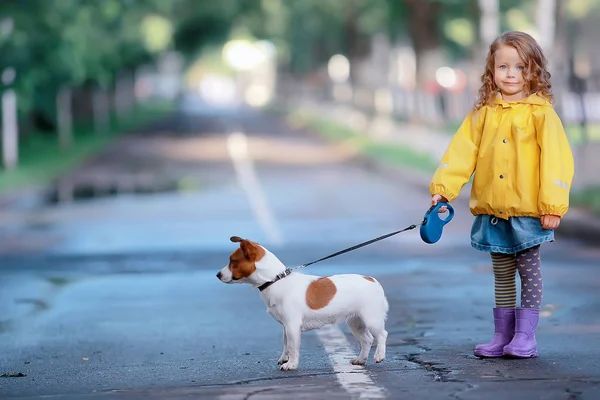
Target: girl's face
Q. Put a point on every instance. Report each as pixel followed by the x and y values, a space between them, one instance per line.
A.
pixel 508 73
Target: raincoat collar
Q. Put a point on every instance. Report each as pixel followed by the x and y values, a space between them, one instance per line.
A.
pixel 534 99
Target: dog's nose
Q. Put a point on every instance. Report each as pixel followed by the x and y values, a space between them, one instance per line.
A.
pixel 219 274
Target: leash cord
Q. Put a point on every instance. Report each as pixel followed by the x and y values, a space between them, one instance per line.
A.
pixel 358 246
pixel 290 270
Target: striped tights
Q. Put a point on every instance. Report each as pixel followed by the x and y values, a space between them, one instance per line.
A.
pixel 505 267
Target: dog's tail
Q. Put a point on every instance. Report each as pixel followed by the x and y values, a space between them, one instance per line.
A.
pixel 385 305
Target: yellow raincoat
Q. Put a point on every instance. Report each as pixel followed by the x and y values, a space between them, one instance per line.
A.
pixel 520 155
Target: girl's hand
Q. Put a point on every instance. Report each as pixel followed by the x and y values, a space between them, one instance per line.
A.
pixel 550 221
pixel 436 199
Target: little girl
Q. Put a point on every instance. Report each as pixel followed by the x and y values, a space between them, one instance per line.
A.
pixel 515 143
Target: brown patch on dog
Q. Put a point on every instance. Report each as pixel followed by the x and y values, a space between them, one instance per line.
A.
pixel 369 278
pixel 319 293
pixel 242 261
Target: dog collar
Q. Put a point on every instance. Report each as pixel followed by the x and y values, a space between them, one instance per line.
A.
pixel 278 277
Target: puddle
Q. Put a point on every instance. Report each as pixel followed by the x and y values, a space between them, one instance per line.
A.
pixel 68 191
pixel 58 281
pixel 13 375
pixel 5 326
pixel 38 304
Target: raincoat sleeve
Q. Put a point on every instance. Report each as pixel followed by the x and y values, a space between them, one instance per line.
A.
pixel 459 160
pixel 556 163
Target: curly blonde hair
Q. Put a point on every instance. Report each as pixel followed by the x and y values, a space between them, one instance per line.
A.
pixel 535 74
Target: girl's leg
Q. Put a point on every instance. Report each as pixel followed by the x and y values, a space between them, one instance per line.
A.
pixel 524 344
pixel 530 271
pixel 505 289
pixel 504 266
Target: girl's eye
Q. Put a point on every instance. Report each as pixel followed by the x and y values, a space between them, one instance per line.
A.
pixel 521 68
pixel 503 67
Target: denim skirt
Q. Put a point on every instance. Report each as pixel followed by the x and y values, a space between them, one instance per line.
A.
pixel 511 236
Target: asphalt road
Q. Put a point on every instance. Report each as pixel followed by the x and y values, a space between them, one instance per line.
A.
pixel 116 296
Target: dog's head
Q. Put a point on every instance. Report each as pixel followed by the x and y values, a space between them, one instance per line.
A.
pixel 242 262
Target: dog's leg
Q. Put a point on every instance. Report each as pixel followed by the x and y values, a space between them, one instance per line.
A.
pixel 364 337
pixel 284 356
pixel 292 334
pixel 377 329
pixel 380 349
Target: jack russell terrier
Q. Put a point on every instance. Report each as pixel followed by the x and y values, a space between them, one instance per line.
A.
pixel 302 302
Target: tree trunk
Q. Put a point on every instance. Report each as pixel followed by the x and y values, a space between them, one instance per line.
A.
pixel 559 57
pixel 546 24
pixel 10 130
pixel 426 38
pixel 357 46
pixel 64 117
pixel 123 94
pixel 101 109
pixel 489 23
pixel 477 60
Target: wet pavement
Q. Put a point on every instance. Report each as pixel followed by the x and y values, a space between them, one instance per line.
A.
pixel 116 296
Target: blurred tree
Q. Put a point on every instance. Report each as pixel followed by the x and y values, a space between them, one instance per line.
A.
pixel 309 32
pixel 313 32
pixel 68 43
pixel 440 31
pixel 87 46
pixel 423 21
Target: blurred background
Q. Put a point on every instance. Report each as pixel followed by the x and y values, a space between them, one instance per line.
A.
pixel 72 68
pixel 138 136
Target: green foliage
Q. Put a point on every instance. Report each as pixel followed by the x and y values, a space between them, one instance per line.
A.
pixel 588 198
pixel 87 43
pixel 309 32
pixel 336 132
pixel 68 42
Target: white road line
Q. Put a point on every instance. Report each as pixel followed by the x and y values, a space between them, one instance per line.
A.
pixel 353 378
pixel 237 144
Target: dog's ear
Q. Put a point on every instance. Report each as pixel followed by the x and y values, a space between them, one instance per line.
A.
pixel 250 249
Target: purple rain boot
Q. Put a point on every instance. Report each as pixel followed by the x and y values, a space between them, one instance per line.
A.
pixel 504 326
pixel 523 344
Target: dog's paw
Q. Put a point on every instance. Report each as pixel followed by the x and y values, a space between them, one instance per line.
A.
pixel 289 366
pixel 379 358
pixel 358 361
pixel 282 360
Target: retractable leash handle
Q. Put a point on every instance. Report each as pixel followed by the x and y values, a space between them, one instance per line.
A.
pixel 432 225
